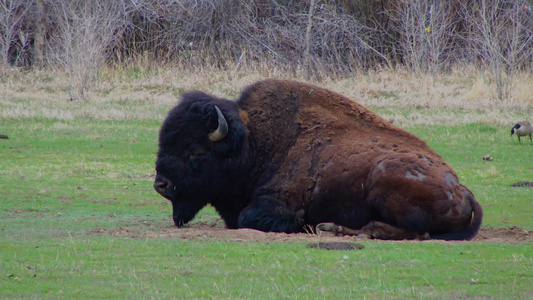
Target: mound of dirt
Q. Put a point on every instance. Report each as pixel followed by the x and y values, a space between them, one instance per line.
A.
pixel 241 235
pixel 507 235
pixel 217 232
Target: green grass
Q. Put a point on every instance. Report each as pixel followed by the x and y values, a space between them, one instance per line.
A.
pixel 107 267
pixel 67 186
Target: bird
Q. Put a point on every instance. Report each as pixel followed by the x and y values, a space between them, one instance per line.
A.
pixel 522 128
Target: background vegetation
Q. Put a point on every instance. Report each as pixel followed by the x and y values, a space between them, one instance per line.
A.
pixel 320 38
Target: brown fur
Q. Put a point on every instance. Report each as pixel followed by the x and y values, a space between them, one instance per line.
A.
pixel 332 157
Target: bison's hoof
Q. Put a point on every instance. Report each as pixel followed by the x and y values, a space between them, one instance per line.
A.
pixel 424 236
pixel 326 227
pixel 329 228
pixel 364 236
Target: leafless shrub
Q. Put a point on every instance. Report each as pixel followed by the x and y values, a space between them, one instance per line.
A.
pixel 425 34
pixel 12 13
pixel 341 44
pixel 234 32
pixel 501 38
pixel 84 30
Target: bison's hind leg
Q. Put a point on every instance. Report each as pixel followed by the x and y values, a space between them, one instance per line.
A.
pixel 384 231
pixel 374 230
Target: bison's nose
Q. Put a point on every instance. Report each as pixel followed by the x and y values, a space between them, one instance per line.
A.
pixel 162 185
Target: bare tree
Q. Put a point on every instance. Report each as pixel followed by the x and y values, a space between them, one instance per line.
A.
pixel 502 38
pixel 307 54
pixel 12 13
pixel 85 30
pixel 425 29
pixel 342 43
pixel 39 34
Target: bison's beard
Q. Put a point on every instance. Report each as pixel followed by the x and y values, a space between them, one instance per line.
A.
pixel 183 213
pixel 180 221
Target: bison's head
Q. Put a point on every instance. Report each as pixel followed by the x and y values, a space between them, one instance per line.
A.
pixel 200 144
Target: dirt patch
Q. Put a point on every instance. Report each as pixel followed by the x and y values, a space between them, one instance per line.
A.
pixel 241 235
pixel 336 246
pixel 506 235
pixel 522 184
pixel 216 231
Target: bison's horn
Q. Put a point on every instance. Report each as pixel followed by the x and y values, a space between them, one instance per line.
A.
pixel 222 131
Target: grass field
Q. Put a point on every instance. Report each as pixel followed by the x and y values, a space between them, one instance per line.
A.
pixel 76 176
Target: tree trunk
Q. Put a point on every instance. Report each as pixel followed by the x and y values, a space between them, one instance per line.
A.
pixel 38 35
pixel 307 51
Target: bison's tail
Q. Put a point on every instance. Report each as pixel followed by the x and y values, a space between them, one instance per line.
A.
pixel 469 232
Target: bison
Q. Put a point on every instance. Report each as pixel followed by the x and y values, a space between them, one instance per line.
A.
pixel 289 155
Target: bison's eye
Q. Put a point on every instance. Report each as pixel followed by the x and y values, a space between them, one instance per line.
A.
pixel 197 159
pixel 195 154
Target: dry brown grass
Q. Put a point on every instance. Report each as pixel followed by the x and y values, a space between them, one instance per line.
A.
pixel 145 92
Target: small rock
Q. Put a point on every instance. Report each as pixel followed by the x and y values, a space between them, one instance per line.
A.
pixel 522 184
pixel 487 157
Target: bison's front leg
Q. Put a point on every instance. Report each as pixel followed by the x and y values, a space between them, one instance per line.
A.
pixel 375 230
pixel 275 219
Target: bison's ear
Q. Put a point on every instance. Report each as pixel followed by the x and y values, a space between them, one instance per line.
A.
pixel 222 130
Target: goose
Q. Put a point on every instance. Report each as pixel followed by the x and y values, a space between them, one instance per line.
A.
pixel 522 128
